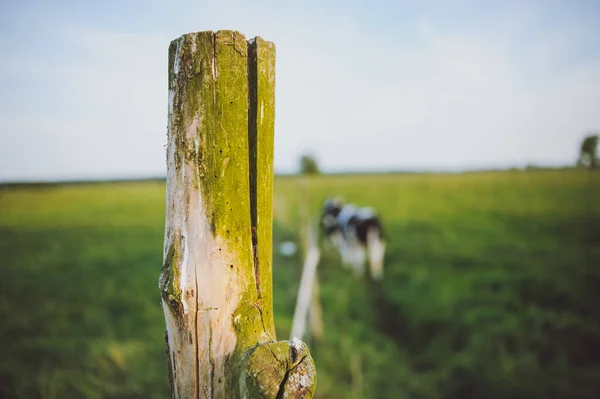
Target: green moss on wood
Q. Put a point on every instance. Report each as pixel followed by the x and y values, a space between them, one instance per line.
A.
pixel 169 278
pixel 249 325
pixel 210 93
pixel 225 115
pixel 261 67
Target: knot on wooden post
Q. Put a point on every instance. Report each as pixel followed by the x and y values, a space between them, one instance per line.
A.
pixel 216 279
pixel 282 369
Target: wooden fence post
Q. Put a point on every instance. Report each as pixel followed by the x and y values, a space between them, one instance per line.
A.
pixel 307 282
pixel 308 243
pixel 216 280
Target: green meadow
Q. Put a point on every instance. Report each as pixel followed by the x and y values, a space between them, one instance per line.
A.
pixel 491 288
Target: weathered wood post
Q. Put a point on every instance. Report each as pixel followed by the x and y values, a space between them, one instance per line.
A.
pixel 216 280
pixel 307 281
pixel 310 247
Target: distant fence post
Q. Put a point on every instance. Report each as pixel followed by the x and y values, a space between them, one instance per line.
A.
pixel 216 279
pixel 307 281
pixel 308 241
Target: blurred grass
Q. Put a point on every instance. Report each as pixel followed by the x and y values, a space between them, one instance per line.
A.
pixel 492 288
pixel 78 292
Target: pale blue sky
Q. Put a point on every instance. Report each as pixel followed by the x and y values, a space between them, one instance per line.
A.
pixel 364 85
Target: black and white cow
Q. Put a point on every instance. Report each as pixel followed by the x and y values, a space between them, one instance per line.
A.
pixel 357 234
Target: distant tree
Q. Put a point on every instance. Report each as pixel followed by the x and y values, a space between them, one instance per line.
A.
pixel 588 153
pixel 308 165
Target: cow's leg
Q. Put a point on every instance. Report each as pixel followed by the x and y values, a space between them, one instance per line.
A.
pixel 357 252
pixel 344 250
pixel 353 258
pixel 376 252
pixel 359 259
pixel 338 241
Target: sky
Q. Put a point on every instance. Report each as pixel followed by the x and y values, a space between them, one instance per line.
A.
pixel 362 85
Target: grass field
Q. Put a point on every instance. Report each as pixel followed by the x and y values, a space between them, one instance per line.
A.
pixel 492 288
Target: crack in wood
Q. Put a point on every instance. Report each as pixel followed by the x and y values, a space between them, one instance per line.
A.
pixel 253 156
